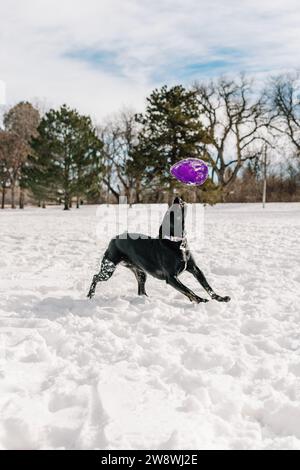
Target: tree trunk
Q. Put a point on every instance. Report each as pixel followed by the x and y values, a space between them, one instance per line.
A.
pixel 128 194
pixel 3 196
pixel 138 191
pixel 13 205
pixel 77 202
pixel 225 190
pixel 67 198
pixel 66 202
pixel 171 194
pixel 43 205
pixel 158 198
pixel 265 179
pixel 194 195
pixel 112 190
pixel 130 198
pixel 22 198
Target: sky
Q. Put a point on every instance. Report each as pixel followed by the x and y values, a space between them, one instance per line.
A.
pixel 103 55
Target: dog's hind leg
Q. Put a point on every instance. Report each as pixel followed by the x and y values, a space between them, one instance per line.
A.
pixel 174 282
pixel 106 271
pixel 141 277
pixel 198 274
pixel 110 260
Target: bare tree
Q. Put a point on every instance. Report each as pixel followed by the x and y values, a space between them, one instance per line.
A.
pixel 284 96
pixel 109 177
pixel 4 175
pixel 21 123
pixel 11 158
pixel 236 120
pixel 119 137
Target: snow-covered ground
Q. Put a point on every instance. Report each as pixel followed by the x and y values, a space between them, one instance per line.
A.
pixel 158 373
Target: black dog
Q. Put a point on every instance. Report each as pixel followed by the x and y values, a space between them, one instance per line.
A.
pixel 164 257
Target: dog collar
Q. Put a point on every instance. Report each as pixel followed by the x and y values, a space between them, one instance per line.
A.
pixel 177 239
pixel 173 239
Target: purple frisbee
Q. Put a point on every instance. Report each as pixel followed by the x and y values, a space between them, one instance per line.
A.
pixel 191 171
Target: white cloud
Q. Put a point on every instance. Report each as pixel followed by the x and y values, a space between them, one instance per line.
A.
pixel 145 44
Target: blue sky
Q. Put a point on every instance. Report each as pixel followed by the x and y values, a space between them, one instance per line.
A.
pixel 187 68
pixel 101 55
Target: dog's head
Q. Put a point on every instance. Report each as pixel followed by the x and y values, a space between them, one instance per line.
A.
pixel 173 225
pixel 179 201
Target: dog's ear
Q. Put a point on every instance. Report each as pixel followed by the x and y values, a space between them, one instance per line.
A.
pixel 178 200
pixel 173 221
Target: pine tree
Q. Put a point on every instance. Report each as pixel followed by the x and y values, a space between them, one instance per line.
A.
pixel 65 155
pixel 171 130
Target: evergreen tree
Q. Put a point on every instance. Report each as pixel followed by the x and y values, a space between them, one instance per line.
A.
pixel 171 130
pixel 65 155
pixel 38 177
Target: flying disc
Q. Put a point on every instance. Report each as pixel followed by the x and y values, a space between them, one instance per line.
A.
pixel 190 171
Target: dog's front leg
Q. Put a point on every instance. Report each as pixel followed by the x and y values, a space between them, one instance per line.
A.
pixel 198 274
pixel 93 286
pixel 106 271
pixel 174 282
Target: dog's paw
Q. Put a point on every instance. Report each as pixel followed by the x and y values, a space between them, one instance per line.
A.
pixel 199 300
pixel 218 298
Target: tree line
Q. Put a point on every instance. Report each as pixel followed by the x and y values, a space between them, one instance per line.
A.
pixel 240 130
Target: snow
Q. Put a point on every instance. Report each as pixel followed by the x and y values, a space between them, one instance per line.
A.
pixel 122 371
